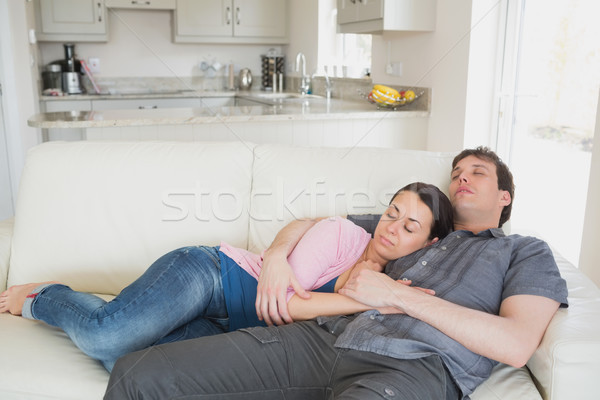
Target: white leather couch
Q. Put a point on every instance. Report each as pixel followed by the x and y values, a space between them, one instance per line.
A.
pixel 94 215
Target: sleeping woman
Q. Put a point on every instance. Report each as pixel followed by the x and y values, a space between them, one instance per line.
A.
pixel 199 290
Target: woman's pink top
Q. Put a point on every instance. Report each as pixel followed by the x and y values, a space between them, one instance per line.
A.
pixel 326 250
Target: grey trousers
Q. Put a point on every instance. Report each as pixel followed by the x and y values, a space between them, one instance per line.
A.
pixel 296 361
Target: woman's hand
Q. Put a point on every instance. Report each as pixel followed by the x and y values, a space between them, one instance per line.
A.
pixel 275 278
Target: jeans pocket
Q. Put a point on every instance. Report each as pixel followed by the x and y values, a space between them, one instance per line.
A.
pixel 385 390
pixel 262 334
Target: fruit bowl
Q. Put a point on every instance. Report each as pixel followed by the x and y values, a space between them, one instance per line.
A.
pixel 388 98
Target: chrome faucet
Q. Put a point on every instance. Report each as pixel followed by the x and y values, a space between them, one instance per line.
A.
pixel 328 86
pixel 304 83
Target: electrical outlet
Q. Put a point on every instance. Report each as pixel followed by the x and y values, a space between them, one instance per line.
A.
pixel 94 64
pixel 394 68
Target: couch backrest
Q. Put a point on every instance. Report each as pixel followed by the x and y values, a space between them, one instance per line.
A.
pixel 296 182
pixel 95 215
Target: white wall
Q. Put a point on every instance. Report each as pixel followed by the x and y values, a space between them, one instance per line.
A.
pixel 304 34
pixel 589 258
pixel 19 69
pixel 441 60
pixel 438 60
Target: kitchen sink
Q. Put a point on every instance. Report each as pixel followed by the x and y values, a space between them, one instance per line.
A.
pixel 277 96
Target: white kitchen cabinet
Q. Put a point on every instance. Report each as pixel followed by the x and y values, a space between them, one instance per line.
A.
pixel 71 20
pixel 231 21
pixel 142 4
pixel 376 16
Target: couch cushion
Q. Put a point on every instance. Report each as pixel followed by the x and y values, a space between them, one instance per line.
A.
pixel 507 383
pixel 566 366
pixel 95 215
pixel 297 182
pixel 41 362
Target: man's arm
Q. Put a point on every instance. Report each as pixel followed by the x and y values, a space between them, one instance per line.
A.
pixel 276 274
pixel 330 304
pixel 510 337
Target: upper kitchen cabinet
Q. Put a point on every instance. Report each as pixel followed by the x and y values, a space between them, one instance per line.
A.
pixel 71 20
pixel 231 21
pixel 142 4
pixel 376 16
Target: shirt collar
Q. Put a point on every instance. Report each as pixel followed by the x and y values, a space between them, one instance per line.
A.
pixel 493 232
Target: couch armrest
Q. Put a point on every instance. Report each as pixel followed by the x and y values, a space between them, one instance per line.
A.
pixel 6 233
pixel 567 363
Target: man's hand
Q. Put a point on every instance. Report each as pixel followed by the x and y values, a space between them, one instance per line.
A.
pixel 377 290
pixel 275 278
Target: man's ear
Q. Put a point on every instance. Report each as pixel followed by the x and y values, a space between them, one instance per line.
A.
pixel 505 199
pixel 432 241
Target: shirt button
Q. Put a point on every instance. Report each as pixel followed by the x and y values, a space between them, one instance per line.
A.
pixel 458 236
pixel 372 317
pixel 423 263
pixel 389 392
pixel 444 248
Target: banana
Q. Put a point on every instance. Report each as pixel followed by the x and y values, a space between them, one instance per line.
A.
pixel 386 95
pixel 386 90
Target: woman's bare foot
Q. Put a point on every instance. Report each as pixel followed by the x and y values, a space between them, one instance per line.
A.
pixel 12 299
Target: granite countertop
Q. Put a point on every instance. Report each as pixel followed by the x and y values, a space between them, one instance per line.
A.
pixel 262 109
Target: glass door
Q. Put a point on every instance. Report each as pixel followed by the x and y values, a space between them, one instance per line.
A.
pixel 548 97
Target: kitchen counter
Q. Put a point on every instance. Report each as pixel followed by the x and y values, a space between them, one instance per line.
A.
pixel 252 107
pixel 162 109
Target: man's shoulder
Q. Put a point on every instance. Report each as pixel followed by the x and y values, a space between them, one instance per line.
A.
pixel 522 239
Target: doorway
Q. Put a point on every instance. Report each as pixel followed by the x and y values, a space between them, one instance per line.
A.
pixel 549 94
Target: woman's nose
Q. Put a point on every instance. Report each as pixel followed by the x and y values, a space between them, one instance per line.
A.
pixel 393 227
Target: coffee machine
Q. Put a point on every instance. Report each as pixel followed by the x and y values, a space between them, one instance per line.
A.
pixel 64 74
pixel 71 76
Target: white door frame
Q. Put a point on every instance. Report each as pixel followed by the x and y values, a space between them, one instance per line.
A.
pixel 507 75
pixel 7 206
pixel 18 74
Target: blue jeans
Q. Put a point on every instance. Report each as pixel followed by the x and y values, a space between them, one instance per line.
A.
pixel 179 297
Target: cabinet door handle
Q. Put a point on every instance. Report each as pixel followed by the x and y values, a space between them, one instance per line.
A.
pixel 228 12
pixel 136 3
pixel 99 12
pixel 238 15
pixel 147 107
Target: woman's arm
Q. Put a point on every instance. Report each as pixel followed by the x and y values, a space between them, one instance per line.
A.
pixel 276 274
pixel 323 304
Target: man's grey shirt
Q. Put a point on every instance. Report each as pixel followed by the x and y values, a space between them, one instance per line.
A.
pixel 475 271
